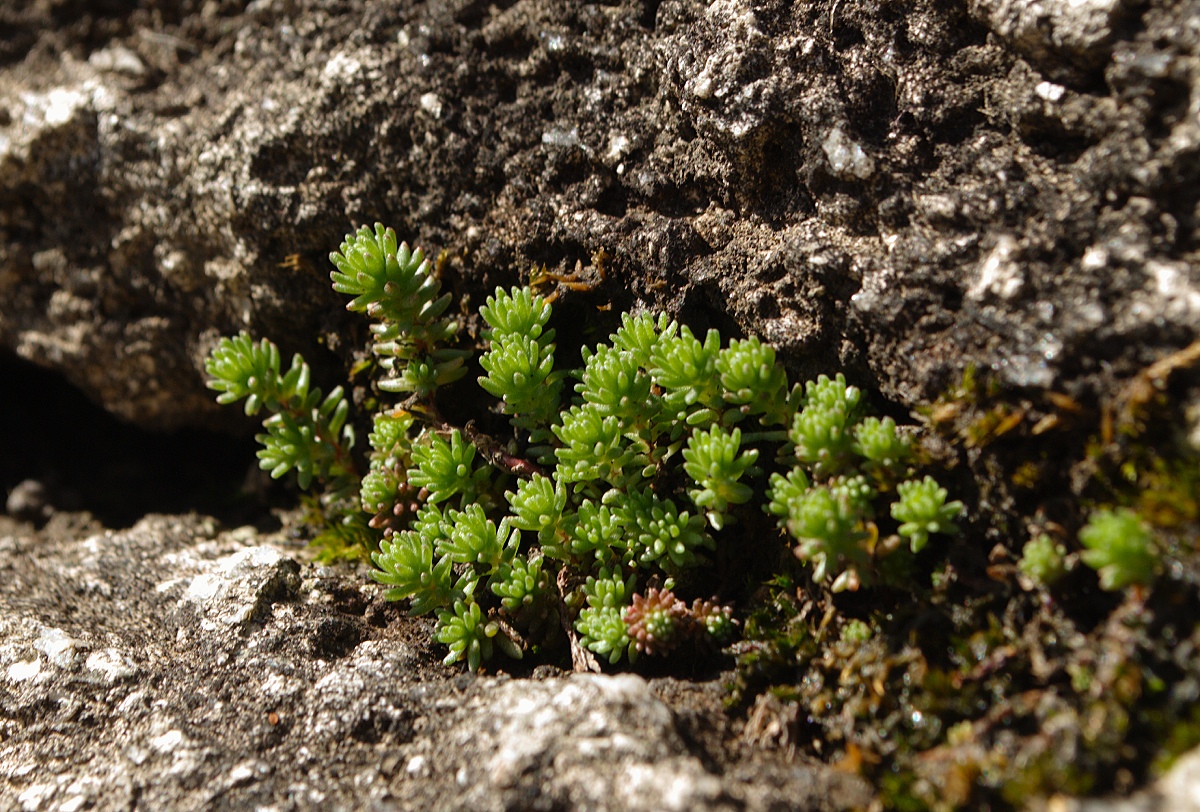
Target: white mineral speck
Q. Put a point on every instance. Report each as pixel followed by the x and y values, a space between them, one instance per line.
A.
pixel 618 146
pixel 417 767
pixel 167 741
pixel 846 158
pixel 118 60
pixel 1172 284
pixel 431 103
pixel 60 105
pixel 242 773
pixel 702 86
pixel 110 665
pixel 1050 91
pixel 19 672
pixel 999 274
pixel 342 67
pixel 33 798
pixel 561 137
pixel 203 588
pixel 58 646
pixel 1094 258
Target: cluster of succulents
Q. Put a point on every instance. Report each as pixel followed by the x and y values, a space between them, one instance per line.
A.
pixel 1117 544
pixel 847 463
pixel 587 520
pixel 598 505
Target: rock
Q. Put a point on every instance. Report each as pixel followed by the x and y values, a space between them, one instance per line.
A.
pixel 1051 30
pixel 193 172
pixel 1177 791
pixel 588 742
pixel 29 500
pixel 214 671
pixel 242 587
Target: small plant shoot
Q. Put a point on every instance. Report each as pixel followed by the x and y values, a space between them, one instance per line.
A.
pixel 613 485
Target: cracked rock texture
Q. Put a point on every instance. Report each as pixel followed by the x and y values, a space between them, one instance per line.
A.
pixel 901 192
pixel 171 666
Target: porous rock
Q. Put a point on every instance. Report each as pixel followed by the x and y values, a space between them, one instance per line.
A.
pixel 174 666
pixel 903 195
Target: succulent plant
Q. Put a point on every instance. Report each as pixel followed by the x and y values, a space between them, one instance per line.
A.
pixel 822 430
pixel 1120 548
pixel 656 621
pixel 594 447
pixel 603 631
pixel 1043 560
pixel 878 442
pixel 475 539
pixel 714 461
pixel 640 475
pixel 922 510
pixel 716 620
pixel 656 532
pixel 753 382
pixel 469 635
pixel 446 468
pixel 307 432
pixel 686 369
pixel 829 524
pixel 520 362
pixel 405 563
pixel 521 584
pixel 396 286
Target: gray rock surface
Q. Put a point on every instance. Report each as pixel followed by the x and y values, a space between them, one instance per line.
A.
pixel 171 666
pixel 901 194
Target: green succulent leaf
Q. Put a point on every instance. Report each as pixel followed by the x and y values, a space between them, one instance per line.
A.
pixel 594 447
pixel 604 632
pixel 518 313
pixel 715 463
pixel 829 525
pixel 446 468
pixel 752 380
pixel 1120 548
pixel 878 442
pixel 822 431
pixel 640 334
pixel 1043 560
pixel 522 584
pixel 655 532
pixel 405 563
pixel 395 285
pixel 922 509
pixel 475 539
pixel 469 635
